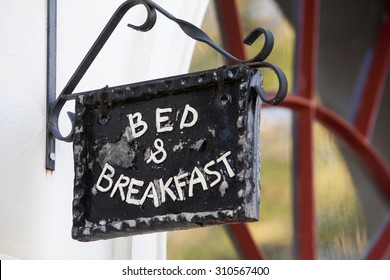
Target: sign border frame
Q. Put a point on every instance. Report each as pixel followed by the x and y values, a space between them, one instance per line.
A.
pixel 248 178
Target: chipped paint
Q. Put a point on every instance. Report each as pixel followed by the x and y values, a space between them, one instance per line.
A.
pixel 223 187
pixel 212 131
pixel 147 154
pixel 94 190
pixel 120 153
pixel 117 225
pixel 179 146
pixel 198 145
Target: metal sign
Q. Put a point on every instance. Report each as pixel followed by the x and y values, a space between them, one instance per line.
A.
pixel 167 154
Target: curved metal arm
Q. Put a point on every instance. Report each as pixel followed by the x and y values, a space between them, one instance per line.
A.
pixel 191 30
pixel 198 34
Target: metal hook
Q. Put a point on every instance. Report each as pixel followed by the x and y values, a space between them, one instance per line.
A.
pixel 282 80
pixel 220 81
pixel 103 109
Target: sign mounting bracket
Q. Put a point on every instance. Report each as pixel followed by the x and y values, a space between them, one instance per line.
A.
pixel 50 155
pixel 54 106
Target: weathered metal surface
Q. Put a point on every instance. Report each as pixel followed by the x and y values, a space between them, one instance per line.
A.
pixel 168 154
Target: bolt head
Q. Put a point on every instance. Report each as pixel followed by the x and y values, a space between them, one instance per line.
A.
pixel 52 156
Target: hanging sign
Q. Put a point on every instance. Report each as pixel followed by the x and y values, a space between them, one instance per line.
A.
pixel 167 154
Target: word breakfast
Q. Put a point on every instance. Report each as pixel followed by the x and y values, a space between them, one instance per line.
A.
pixel 176 187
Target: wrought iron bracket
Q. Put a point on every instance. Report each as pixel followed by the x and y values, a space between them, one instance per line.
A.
pixel 50 155
pixel 54 106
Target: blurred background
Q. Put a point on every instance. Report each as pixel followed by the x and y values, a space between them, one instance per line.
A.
pixel 325 179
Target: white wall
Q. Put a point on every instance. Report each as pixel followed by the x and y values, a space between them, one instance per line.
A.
pixel 35 204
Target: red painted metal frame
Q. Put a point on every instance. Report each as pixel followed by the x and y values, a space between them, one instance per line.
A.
pixel 244 242
pixel 356 136
pixel 365 122
pixel 375 80
pixel 231 30
pixel 360 144
pixel 381 247
pixel 306 56
pixel 352 136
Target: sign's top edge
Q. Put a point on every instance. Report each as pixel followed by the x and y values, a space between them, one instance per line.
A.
pixel 183 81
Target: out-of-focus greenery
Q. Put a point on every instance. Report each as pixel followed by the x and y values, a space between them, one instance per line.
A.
pixel 210 243
pixel 340 221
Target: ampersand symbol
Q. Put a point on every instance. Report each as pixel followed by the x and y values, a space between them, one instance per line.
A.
pixel 159 145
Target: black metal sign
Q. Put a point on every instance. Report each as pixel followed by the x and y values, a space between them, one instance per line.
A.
pixel 167 154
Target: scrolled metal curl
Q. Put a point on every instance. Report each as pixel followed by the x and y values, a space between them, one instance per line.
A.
pixel 282 81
